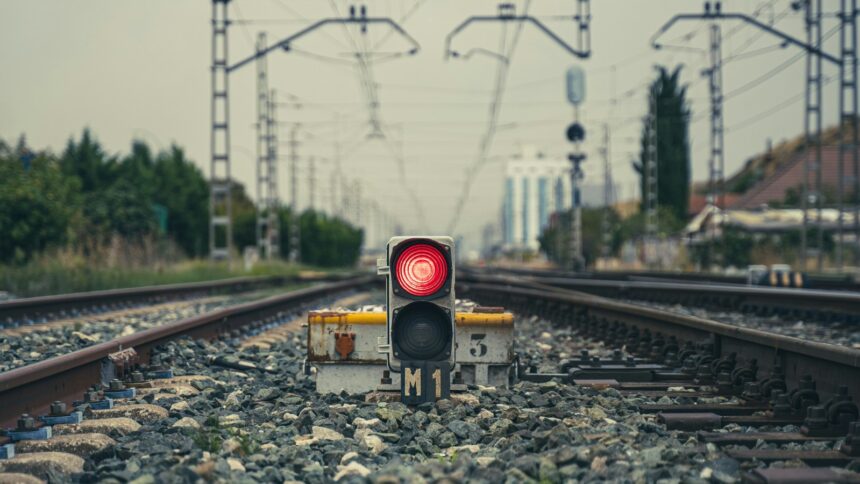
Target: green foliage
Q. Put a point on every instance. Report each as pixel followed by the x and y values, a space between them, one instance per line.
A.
pixel 673 148
pixel 555 238
pixel 182 190
pixel 667 223
pixel 208 438
pixel 325 241
pixel 87 201
pixel 36 205
pixel 60 273
pixel 744 182
pixel 244 218
pixel 738 248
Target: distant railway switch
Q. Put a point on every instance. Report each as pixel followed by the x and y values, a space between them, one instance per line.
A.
pixel 484 351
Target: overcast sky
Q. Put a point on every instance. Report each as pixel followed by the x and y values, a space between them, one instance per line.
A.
pixel 141 70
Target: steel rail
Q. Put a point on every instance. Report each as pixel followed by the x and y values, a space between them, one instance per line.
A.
pixel 831 366
pixel 829 304
pixel 47 307
pixel 813 281
pixel 31 389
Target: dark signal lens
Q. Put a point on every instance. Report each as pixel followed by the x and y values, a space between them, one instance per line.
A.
pixel 421 269
pixel 422 331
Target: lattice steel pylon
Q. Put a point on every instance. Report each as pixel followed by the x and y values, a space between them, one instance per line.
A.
pixel 812 130
pixel 295 237
pixel 608 197
pixel 651 181
pixel 273 201
pixel 716 163
pixel 848 111
pixel 267 180
pixel 220 203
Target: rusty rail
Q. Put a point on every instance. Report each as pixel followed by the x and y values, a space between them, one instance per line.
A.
pixel 50 307
pixel 840 305
pixel 844 282
pixel 831 366
pixel 31 389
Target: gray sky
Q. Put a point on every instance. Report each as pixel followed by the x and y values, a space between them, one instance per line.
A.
pixel 141 70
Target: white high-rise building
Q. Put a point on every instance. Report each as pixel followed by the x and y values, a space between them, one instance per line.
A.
pixel 535 187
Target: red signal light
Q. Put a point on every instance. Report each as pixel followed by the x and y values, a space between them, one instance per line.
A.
pixel 421 270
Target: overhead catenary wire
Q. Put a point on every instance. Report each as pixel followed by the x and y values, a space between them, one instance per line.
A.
pixel 502 70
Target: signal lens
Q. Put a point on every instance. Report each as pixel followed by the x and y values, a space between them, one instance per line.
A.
pixel 421 269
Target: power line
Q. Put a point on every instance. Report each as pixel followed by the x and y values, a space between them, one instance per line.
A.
pixel 773 72
pixel 492 120
pixel 773 109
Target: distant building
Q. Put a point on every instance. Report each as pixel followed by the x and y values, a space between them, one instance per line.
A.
pixel 535 187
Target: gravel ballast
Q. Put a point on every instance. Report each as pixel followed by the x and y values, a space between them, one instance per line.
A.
pixel 271 426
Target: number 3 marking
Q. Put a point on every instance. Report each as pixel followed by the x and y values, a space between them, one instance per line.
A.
pixel 478 347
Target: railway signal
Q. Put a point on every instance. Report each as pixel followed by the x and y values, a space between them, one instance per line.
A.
pixel 420 315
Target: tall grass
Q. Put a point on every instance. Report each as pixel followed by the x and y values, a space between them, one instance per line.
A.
pixel 121 264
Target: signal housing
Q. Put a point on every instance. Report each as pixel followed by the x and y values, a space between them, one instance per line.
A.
pixel 420 308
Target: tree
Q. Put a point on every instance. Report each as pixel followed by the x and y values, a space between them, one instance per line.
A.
pixel 37 205
pixel 181 188
pixel 673 149
pixel 87 162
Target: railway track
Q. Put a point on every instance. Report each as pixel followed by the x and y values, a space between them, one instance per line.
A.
pixel 843 282
pixel 608 391
pixel 821 305
pixel 31 389
pixel 25 311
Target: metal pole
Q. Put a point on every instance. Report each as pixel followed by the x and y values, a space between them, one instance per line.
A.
pixel 263 147
pixel 220 204
pixel 295 238
pixel 651 182
pixel 848 114
pixel 272 200
pixel 312 181
pixel 812 129
pixel 716 163
pixel 606 225
pixel 575 246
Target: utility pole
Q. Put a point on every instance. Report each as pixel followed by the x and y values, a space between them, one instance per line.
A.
pixel 220 206
pixel 295 237
pixel 312 181
pixel 265 133
pixel 848 111
pixel 812 129
pixel 651 182
pixel 575 78
pixel 220 203
pixel 812 117
pixel 272 202
pixel 608 197
pixel 716 163
pixel 336 173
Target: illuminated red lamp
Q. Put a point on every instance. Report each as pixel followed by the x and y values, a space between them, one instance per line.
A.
pixel 421 269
